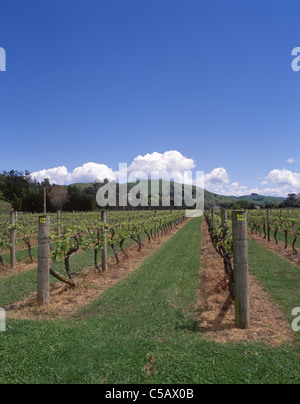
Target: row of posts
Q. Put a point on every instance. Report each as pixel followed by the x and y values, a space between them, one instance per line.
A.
pixel 13 236
pixel 44 255
pixel 44 260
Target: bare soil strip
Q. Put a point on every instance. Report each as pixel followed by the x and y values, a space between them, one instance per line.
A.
pixel 22 266
pixel 66 301
pixel 216 312
pixel 277 248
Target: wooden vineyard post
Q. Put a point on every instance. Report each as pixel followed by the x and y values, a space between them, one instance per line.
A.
pixel 2 320
pixel 43 295
pixel 58 223
pixel 268 224
pixel 223 216
pixel 241 274
pixel 13 236
pixel 104 251
pixel 45 200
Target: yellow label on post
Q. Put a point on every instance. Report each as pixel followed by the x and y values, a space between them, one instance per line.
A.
pixel 240 218
pixel 42 220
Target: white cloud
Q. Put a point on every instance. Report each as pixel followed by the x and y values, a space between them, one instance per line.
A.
pixel 56 175
pixel 285 178
pixel 276 183
pixel 217 181
pixel 280 183
pixel 168 162
pixel 218 176
pixel 89 172
pixel 291 161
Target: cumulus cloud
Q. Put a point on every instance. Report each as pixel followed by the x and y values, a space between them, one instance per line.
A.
pixel 168 162
pixel 279 183
pixel 90 172
pixel 283 182
pixel 55 175
pixel 284 178
pixel 164 164
pixel 218 176
pixel 276 183
pixel 218 182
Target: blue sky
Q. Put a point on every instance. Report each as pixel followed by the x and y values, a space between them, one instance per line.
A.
pixel 106 81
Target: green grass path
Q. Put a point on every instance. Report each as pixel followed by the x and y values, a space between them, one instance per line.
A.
pixel 146 319
pixel 280 278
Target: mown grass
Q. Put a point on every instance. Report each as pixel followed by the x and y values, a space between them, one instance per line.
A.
pixel 144 330
pixel 280 278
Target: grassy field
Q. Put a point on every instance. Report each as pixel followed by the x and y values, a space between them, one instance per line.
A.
pixel 280 278
pixel 4 206
pixel 144 329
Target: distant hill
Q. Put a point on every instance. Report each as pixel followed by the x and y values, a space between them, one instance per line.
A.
pixel 258 200
pixel 212 199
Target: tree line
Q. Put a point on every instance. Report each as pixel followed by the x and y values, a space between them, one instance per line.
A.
pixel 27 195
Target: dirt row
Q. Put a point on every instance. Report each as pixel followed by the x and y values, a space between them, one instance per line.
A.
pixel 216 312
pixel 22 266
